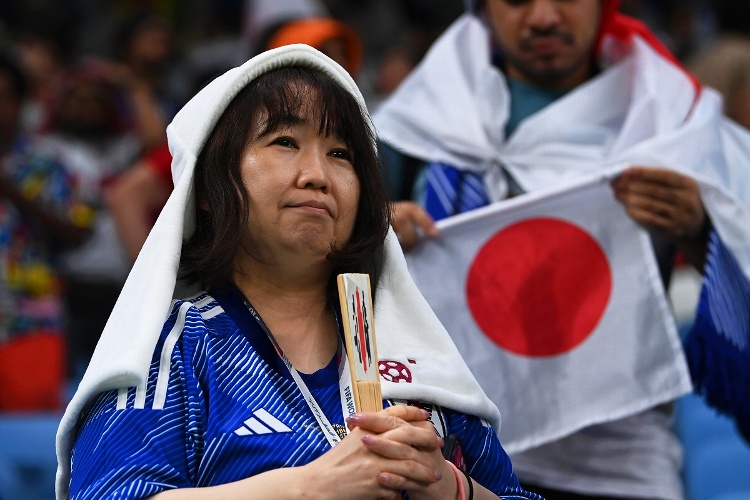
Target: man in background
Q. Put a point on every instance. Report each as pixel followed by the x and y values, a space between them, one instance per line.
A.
pixel 521 95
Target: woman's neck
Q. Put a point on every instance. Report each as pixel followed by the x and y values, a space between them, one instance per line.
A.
pixel 298 316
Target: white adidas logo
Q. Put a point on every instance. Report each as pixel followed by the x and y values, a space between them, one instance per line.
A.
pixel 261 422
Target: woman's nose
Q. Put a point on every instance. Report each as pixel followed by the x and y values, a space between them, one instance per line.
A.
pixel 314 171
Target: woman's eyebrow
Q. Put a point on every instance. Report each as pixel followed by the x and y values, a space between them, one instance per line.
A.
pixel 282 121
pixel 290 119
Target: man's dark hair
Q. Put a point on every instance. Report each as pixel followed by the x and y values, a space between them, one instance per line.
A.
pixel 207 256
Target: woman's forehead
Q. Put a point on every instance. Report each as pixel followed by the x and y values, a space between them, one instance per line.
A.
pixel 302 104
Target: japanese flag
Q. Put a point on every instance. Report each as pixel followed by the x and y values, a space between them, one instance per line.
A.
pixel 555 301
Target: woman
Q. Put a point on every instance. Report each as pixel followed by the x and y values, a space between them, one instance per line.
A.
pixel 240 394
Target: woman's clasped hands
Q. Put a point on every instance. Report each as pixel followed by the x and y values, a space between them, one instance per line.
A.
pixel 386 451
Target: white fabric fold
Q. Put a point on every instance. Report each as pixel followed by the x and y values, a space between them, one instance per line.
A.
pixel 407 329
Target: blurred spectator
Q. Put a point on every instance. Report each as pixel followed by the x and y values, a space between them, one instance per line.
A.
pixel 139 195
pixel 334 38
pixel 90 133
pixel 725 64
pixel 40 214
pixel 143 68
pixel 43 64
pixel 260 16
pixel 270 24
pixel 393 67
pixel 147 49
pixel 41 36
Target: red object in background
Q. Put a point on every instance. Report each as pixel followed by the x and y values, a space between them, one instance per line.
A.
pixel 32 372
pixel 160 161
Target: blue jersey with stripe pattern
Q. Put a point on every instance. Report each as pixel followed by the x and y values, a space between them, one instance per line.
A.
pixel 220 406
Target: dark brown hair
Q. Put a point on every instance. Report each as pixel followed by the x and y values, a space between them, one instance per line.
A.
pixel 207 256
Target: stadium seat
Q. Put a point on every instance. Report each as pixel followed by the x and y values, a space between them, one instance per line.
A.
pixel 717 459
pixel 697 424
pixel 27 455
pixel 734 495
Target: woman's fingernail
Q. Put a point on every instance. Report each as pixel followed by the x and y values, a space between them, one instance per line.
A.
pixel 385 478
pixel 369 439
pixel 355 419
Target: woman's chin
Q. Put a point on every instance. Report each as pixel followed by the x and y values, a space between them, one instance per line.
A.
pixel 316 249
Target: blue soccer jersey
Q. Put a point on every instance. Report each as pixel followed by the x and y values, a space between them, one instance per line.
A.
pixel 220 406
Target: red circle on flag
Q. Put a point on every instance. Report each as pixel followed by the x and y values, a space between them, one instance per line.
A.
pixel 539 287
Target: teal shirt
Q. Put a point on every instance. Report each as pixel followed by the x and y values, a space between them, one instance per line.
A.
pixel 527 99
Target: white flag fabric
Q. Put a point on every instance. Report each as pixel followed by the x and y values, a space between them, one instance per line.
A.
pixel 555 301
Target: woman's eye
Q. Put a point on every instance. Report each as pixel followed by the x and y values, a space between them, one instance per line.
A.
pixel 342 154
pixel 284 141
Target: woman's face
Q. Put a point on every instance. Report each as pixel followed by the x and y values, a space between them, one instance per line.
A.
pixel 303 191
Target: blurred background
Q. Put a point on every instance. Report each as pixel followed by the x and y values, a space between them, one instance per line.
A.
pixel 87 88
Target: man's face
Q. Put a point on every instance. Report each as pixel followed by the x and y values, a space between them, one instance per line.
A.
pixel 546 42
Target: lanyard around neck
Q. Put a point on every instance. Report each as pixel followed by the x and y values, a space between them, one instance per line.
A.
pixel 346 392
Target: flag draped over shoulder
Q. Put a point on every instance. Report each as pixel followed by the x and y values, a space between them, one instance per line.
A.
pixel 555 301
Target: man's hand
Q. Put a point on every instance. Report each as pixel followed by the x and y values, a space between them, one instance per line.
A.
pixel 408 220
pixel 669 202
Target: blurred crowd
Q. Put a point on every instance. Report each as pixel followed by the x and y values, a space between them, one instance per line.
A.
pixel 87 89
